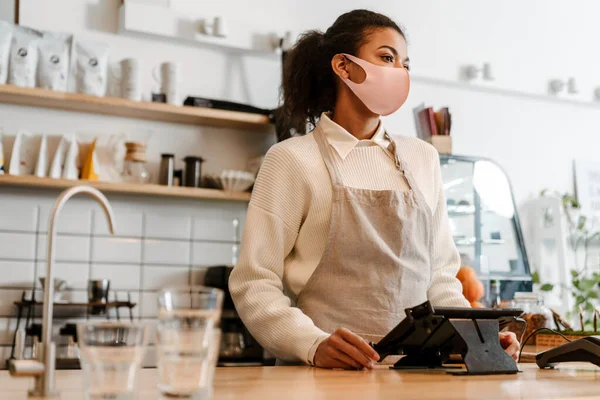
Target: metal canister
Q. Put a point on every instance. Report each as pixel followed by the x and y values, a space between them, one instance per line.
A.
pixel 193 171
pixel 167 169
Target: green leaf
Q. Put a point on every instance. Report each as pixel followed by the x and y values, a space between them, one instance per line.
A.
pixel 589 307
pixel 574 273
pixel 547 287
pixel 569 200
pixel 576 284
pixel 592 295
pixel 579 300
pixel 596 276
pixel 581 222
pixel 588 284
pixel 535 277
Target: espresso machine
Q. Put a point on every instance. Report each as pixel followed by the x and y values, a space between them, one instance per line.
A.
pixel 238 347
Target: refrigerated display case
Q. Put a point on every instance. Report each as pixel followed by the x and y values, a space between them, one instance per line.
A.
pixel 484 222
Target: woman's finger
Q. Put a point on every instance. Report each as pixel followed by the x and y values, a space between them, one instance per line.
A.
pixel 359 343
pixel 352 351
pixel 344 358
pixel 513 350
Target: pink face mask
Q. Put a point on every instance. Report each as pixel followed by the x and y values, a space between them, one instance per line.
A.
pixel 384 89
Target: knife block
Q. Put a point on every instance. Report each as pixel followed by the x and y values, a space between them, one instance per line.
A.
pixel 442 143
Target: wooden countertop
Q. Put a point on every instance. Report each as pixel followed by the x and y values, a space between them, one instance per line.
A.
pixel 569 382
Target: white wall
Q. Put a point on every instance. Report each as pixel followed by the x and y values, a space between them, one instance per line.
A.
pixel 534 138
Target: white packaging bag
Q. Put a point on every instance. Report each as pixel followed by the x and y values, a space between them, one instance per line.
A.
pixel 91 67
pixel 41 166
pixel 58 162
pixel 110 152
pixel 22 160
pixel 23 57
pixel 71 168
pixel 53 64
pixel 6 35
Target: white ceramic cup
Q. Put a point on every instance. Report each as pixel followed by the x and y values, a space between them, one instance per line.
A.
pixel 130 79
pixel 168 76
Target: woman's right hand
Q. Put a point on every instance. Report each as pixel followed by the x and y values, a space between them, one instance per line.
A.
pixel 344 349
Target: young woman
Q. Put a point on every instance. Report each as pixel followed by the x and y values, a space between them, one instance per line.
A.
pixel 347 227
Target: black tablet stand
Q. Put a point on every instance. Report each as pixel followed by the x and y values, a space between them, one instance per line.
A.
pixel 428 338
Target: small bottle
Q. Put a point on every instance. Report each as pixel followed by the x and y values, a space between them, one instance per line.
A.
pixel 495 300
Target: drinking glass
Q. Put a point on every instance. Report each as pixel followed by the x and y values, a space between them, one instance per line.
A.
pixel 188 340
pixel 111 355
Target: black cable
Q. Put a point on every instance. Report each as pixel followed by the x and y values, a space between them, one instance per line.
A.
pixel 538 331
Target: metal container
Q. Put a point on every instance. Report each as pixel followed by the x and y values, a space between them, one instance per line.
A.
pixel 98 290
pixel 193 171
pixel 167 169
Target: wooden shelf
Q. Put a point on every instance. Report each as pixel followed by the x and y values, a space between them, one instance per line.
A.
pixel 110 304
pixel 132 109
pixel 124 188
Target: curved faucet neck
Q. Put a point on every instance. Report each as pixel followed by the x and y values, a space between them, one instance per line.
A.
pixel 62 199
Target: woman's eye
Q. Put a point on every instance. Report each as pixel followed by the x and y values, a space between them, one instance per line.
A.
pixel 388 59
pixel 407 67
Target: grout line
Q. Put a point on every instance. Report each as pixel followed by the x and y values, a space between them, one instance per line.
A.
pixel 142 266
pixel 117 262
pixel 191 255
pixel 37 242
pixel 80 290
pixel 92 235
pixel 91 244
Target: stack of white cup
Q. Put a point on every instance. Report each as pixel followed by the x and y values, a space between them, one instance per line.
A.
pixel 168 75
pixel 131 79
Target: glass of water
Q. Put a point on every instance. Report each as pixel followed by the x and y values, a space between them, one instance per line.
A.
pixel 188 340
pixel 111 354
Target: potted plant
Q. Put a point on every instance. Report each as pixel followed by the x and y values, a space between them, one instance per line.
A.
pixel 585 279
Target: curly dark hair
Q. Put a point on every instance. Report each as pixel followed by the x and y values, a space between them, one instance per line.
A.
pixel 309 85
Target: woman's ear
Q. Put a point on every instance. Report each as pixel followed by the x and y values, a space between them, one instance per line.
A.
pixel 344 68
pixel 339 64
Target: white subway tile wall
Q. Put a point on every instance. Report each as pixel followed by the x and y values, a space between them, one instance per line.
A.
pixel 129 223
pixel 156 277
pixel 23 215
pixel 68 248
pixel 157 243
pixel 121 276
pixel 17 246
pixel 167 252
pixel 116 250
pixel 17 274
pixel 79 220
pixel 206 254
pixel 76 274
pixel 168 226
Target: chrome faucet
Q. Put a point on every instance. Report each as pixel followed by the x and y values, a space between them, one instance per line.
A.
pixel 42 369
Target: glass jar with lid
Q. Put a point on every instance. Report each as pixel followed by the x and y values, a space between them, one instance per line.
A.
pixel 134 169
pixel 535 313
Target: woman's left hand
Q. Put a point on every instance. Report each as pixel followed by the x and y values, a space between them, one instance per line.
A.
pixel 510 344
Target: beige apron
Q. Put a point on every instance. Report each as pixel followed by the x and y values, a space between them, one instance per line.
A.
pixel 378 257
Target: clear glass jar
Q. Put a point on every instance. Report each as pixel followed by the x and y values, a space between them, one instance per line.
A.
pixel 135 172
pixel 535 313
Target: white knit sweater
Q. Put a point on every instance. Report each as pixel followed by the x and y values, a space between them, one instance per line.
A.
pixel 287 227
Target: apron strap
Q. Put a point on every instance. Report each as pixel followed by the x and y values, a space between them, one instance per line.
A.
pixel 403 168
pixel 328 156
pixel 393 148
